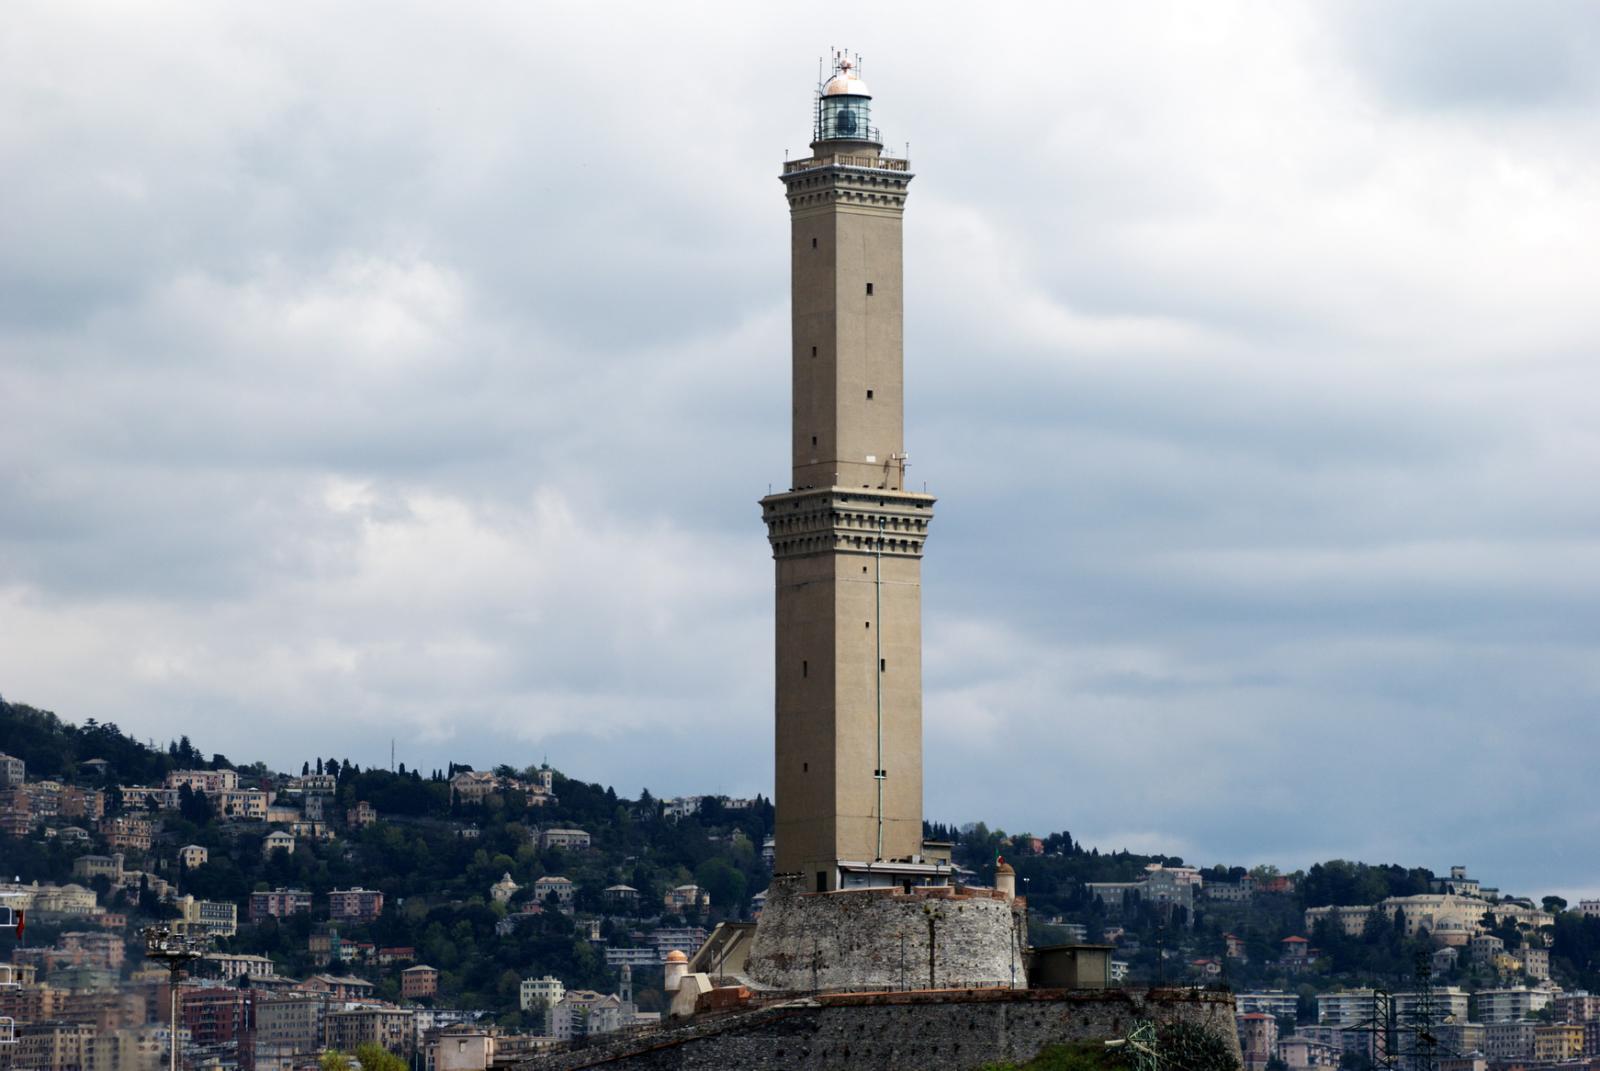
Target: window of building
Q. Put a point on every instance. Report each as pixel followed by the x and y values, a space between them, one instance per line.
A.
pixel 813 440
pixel 883 665
pixel 869 396
pixel 869 289
pixel 805 668
pixel 813 243
pixel 813 351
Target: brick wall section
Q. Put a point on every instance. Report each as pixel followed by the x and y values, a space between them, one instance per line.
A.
pixel 880 939
pixel 952 1030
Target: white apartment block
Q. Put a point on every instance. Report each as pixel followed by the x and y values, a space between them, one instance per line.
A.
pixel 1275 1002
pixel 1448 1002
pixel 543 992
pixel 1346 1007
pixel 1509 1005
pixel 633 957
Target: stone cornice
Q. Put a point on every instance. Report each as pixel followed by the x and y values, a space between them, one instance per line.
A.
pixel 836 183
pixel 842 520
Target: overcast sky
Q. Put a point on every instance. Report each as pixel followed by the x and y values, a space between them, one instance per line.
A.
pixel 374 371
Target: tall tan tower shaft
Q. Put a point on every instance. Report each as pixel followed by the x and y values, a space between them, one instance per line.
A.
pixel 847 537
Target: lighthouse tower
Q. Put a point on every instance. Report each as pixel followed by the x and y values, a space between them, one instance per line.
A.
pixel 847 536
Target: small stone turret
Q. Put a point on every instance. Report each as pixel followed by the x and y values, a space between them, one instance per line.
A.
pixel 1005 880
pixel 677 966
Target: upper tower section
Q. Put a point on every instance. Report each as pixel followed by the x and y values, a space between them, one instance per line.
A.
pixel 846 202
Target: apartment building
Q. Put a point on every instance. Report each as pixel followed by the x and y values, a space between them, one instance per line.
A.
pixel 1351 919
pixel 286 1027
pixel 1555 1043
pixel 215 1015
pixel 541 992
pixel 355 905
pixel 571 839
pixel 53 1046
pixel 211 782
pixel 1347 1007
pixel 686 898
pixel 1578 1006
pixel 1509 1005
pixel 392 1028
pixel 1273 1002
pixel 551 884
pixel 279 903
pixel 242 805
pixel 419 981
pixel 1506 1042
pixel 127 832
pixel 233 965
pixel 216 918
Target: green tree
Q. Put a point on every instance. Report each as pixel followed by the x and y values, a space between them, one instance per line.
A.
pixel 375 1057
pixel 726 884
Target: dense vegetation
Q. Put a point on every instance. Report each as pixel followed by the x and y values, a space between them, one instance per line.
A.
pixel 436 861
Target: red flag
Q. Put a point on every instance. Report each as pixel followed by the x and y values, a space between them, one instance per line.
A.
pixel 21 921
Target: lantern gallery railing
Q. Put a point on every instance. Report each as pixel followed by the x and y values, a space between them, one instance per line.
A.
pixel 876 163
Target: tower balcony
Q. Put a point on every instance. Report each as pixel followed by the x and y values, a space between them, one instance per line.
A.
pixel 871 163
pixel 836 520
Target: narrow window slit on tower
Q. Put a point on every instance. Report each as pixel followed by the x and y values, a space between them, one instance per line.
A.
pixel 813 351
pixel 813 440
pixel 869 396
pixel 883 665
pixel 805 668
pixel 869 288
pixel 813 243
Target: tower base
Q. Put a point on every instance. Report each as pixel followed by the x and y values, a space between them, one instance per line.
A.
pixel 932 937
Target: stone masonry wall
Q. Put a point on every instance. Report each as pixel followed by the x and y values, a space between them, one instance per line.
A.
pixel 951 1030
pixel 883 939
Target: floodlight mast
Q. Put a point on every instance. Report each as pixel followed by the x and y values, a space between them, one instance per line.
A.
pixel 175 950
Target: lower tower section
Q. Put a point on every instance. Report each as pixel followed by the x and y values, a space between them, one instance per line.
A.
pixel 848 684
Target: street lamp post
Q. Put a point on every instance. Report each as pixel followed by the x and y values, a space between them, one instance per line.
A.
pixel 174 950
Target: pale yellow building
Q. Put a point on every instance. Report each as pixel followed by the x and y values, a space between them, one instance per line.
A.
pixel 1556 1043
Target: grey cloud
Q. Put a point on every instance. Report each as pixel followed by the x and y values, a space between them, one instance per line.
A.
pixel 420 382
pixel 1454 56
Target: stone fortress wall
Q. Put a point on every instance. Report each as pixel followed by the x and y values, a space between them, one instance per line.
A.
pixel 952 1029
pixel 886 939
